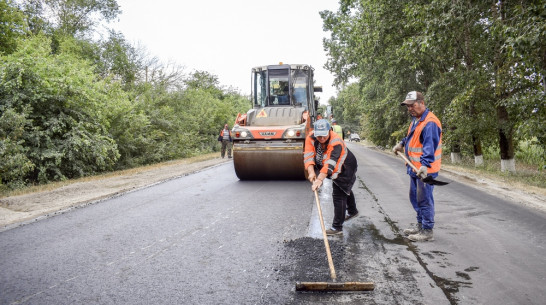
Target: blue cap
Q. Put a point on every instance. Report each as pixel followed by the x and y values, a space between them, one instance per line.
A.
pixel 322 128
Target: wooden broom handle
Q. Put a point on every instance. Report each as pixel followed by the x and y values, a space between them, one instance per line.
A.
pixel 325 237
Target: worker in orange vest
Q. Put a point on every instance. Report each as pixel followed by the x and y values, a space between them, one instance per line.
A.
pixel 423 147
pixel 226 139
pixel 326 156
pixel 337 129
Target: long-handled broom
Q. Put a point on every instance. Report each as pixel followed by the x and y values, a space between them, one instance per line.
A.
pixel 327 286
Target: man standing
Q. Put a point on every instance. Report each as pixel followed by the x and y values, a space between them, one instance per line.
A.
pixel 423 147
pixel 337 129
pixel 326 156
pixel 225 138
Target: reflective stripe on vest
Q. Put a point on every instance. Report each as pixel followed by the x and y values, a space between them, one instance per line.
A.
pixel 415 148
pixel 330 167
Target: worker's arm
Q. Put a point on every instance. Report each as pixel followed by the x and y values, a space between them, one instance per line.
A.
pixel 317 183
pixel 311 176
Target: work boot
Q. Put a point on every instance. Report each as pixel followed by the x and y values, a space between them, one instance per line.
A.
pixel 413 230
pixel 333 231
pixel 348 217
pixel 423 235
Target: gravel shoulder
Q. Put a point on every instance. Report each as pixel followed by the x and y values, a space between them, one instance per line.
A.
pixel 22 209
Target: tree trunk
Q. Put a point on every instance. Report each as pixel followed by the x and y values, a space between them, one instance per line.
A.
pixel 502 73
pixel 505 140
pixel 469 60
pixel 478 154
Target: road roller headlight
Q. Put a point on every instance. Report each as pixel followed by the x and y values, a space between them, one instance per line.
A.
pixel 294 133
pixel 242 134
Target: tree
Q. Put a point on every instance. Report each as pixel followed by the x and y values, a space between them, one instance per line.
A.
pixel 205 81
pixel 119 60
pixel 78 17
pixel 480 65
pixel 12 26
pixel 60 107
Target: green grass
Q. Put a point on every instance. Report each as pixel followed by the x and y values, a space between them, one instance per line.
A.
pixel 526 174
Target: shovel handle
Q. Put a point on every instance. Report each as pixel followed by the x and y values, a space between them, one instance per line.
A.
pixel 325 237
pixel 407 161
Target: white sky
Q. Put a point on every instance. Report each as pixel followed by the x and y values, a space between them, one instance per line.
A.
pixel 229 37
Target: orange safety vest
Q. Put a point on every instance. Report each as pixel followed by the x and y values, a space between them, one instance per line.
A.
pixel 222 134
pixel 415 147
pixel 330 167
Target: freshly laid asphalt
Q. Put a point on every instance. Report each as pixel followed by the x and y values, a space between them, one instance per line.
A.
pixel 209 238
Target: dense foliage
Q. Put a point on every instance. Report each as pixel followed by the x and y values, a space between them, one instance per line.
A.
pixel 481 65
pixel 71 106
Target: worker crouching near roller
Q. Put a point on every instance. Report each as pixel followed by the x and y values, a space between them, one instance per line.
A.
pixel 326 156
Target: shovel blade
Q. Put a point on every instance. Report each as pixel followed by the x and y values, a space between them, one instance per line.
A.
pixel 431 181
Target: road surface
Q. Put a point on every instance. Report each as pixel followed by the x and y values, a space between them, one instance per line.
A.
pixel 208 238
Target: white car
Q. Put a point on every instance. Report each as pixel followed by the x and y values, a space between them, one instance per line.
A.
pixel 354 137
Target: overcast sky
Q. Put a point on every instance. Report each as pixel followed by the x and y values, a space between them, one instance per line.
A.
pixel 229 37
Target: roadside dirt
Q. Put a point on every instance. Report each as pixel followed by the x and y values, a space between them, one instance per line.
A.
pixel 22 209
pixel 17 210
pixel 529 196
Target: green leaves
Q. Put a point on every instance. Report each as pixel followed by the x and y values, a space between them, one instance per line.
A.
pixel 52 104
pixel 474 60
pixel 71 107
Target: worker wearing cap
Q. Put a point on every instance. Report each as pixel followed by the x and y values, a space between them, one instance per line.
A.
pixel 326 156
pixel 423 147
pixel 337 129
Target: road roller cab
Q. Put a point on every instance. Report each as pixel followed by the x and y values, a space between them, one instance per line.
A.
pixel 268 140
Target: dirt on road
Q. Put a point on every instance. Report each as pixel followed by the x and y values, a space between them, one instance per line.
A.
pixel 22 209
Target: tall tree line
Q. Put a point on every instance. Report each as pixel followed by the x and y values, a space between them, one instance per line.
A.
pixel 481 65
pixel 72 106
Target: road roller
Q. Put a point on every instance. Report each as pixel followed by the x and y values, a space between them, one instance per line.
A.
pixel 268 140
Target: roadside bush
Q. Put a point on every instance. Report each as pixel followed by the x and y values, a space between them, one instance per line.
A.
pixel 530 152
pixel 60 107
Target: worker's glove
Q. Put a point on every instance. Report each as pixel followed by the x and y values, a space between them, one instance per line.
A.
pixel 397 147
pixel 316 184
pixel 311 176
pixel 422 172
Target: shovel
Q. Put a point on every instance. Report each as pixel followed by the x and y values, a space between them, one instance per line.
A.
pixel 328 286
pixel 427 179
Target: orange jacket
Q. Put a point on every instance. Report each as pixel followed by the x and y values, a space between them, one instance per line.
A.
pixel 333 158
pixel 414 148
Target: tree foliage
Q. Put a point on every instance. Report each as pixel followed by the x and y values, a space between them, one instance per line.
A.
pixel 481 65
pixel 57 101
pixel 71 106
pixel 12 26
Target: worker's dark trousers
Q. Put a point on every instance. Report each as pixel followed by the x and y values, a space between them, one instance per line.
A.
pixel 342 203
pixel 226 144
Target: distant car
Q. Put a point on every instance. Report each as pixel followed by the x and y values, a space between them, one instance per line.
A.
pixel 354 137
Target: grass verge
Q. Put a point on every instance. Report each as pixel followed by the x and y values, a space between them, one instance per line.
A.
pixel 131 171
